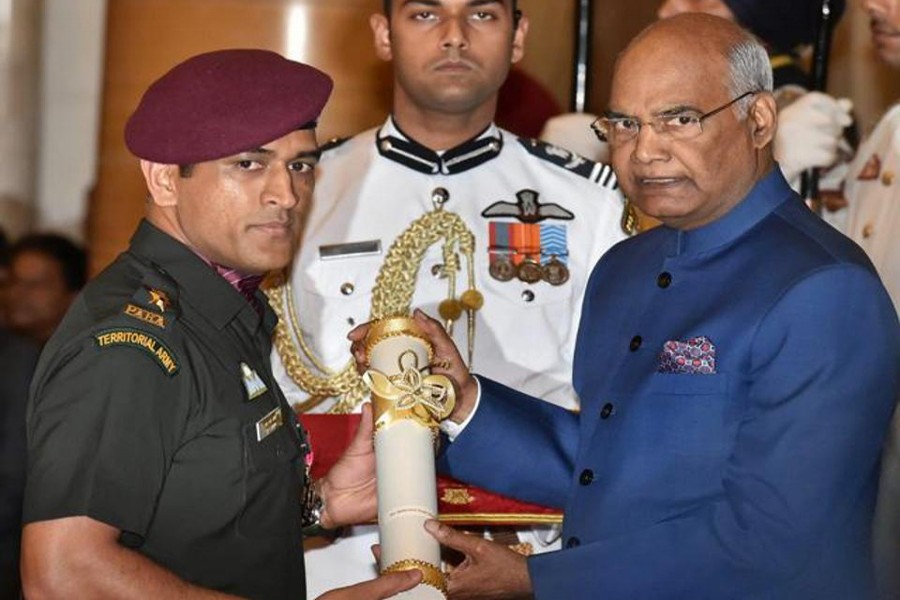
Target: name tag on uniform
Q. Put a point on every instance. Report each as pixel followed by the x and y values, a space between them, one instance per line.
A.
pixel 350 249
pixel 268 424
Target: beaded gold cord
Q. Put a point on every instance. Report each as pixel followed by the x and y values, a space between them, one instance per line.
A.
pixel 391 297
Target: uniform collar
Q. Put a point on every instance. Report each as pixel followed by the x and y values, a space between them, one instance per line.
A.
pixel 198 283
pixel 768 193
pixel 395 145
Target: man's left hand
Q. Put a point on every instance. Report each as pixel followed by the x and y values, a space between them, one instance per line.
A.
pixel 383 586
pixel 348 489
pixel 489 570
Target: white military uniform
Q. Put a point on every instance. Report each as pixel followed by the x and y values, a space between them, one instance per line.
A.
pixel 873 221
pixel 873 196
pixel 371 187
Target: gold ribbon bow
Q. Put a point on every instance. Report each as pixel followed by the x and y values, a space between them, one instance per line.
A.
pixel 427 399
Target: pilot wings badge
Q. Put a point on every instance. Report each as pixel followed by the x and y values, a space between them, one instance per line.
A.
pixel 528 209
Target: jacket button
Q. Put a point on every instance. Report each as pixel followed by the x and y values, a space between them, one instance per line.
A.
pixel 573 542
pixel 347 288
pixel 586 477
pixel 607 410
pixel 664 280
pixel 635 343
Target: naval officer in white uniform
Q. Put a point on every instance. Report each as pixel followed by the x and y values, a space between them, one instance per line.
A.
pixel 540 216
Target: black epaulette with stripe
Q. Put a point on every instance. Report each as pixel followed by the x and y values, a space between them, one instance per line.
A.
pixel 599 173
pixel 333 143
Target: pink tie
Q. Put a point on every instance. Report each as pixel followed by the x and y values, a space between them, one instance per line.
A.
pixel 246 285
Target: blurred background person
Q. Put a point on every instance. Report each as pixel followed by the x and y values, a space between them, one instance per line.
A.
pixel 46 271
pixel 4 274
pixel 18 357
pixel 873 181
pixel 872 190
pixel 540 218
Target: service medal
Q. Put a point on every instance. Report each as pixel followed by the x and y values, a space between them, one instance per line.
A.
pixel 555 272
pixel 529 271
pixel 502 269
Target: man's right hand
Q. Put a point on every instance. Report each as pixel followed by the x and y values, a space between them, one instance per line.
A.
pixel 384 586
pixel 447 361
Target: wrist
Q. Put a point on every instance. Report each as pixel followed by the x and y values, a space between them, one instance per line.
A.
pixel 314 520
pixel 468 395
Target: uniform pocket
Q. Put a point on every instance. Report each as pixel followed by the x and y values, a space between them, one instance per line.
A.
pixel 271 483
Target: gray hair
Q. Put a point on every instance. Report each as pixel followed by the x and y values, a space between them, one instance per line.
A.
pixel 750 72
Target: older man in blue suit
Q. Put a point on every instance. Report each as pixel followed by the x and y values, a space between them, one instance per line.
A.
pixel 737 367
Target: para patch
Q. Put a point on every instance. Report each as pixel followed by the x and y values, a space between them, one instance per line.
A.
pixel 145 315
pixel 142 341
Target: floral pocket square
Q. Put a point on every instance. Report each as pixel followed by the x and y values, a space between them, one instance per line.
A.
pixel 695 356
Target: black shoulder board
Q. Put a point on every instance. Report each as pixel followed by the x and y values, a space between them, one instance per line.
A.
pixel 333 143
pixel 599 173
pixel 154 301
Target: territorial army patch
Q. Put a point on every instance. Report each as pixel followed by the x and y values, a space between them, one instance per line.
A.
pixel 122 336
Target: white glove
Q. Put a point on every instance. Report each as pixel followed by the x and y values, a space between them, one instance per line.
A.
pixel 810 131
pixel 572 131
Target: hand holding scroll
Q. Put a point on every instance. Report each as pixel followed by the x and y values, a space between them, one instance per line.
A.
pixel 447 361
pixel 348 489
pixel 383 586
pixel 489 570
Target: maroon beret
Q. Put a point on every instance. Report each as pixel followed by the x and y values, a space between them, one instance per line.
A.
pixel 222 103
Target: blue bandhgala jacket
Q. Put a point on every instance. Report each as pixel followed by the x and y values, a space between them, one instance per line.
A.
pixel 754 480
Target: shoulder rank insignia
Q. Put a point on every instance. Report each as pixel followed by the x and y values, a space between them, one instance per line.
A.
pixel 141 340
pixel 871 170
pixel 159 299
pixel 333 143
pixel 597 172
pixel 252 382
pixel 527 209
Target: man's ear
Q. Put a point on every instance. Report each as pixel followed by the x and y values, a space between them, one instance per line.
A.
pixel 161 182
pixel 519 35
pixel 381 36
pixel 763 117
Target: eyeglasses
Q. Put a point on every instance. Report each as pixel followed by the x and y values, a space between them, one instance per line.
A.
pixel 679 125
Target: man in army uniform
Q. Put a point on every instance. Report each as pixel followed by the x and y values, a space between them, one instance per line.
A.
pixel 540 217
pixel 163 459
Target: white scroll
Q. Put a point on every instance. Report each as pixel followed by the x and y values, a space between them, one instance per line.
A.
pixel 408 404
